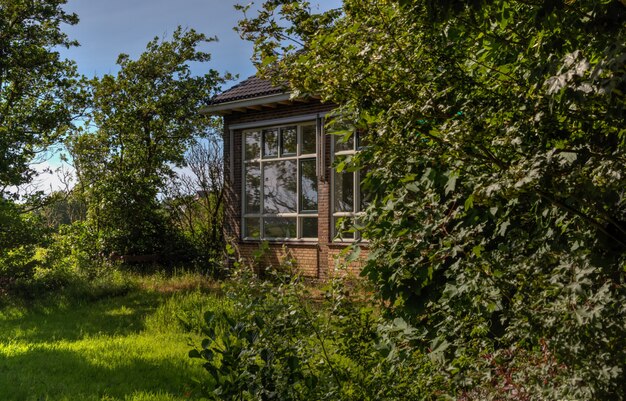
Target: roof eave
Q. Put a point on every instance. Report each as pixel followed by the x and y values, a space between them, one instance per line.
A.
pixel 242 104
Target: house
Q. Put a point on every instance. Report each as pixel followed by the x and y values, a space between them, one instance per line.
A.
pixel 280 188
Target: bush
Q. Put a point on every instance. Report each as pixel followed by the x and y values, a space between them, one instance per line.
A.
pixel 20 233
pixel 75 247
pixel 495 160
pixel 17 269
pixel 68 267
pixel 279 342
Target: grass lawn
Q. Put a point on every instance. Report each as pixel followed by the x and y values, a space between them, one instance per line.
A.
pixel 127 347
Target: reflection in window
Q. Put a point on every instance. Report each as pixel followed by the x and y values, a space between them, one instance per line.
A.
pixel 252 192
pixel 270 142
pixel 289 139
pixel 280 182
pixel 279 187
pixel 308 139
pixel 279 227
pixel 308 186
pixel 344 192
pixel 309 227
pixel 348 195
pixel 253 145
pixel 252 228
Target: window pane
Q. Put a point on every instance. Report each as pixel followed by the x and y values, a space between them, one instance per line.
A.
pixel 309 227
pixel 341 144
pixel 252 190
pixel 252 227
pixel 270 142
pixel 308 186
pixel 344 192
pixel 289 139
pixel 308 139
pixel 344 227
pixel 280 185
pixel 364 194
pixel 252 145
pixel 279 227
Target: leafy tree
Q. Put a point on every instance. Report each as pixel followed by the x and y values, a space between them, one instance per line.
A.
pixel 497 160
pixel 39 97
pixel 38 92
pixel 145 118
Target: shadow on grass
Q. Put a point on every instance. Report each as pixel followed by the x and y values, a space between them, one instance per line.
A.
pixel 44 374
pixel 110 316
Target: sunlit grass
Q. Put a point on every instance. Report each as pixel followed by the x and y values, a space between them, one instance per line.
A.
pixel 130 347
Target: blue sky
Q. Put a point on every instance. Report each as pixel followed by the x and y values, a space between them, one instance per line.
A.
pixel 110 27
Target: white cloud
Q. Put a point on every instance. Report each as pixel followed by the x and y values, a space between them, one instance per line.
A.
pixel 53 176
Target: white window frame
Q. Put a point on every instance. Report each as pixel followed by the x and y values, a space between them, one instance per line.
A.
pixel 356 194
pixel 298 157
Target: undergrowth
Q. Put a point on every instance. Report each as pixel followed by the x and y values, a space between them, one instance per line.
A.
pixel 280 341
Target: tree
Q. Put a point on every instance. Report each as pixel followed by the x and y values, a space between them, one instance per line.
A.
pixel 498 162
pixel 193 200
pixel 145 118
pixel 39 97
pixel 38 94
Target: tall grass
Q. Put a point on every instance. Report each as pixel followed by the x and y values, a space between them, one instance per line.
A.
pixel 103 344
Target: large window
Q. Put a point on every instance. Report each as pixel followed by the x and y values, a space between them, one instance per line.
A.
pixel 280 182
pixel 348 199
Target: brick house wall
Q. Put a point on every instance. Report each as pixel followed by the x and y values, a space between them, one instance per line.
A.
pixel 315 259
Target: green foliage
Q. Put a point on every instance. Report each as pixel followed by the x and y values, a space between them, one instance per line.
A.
pixel 74 248
pixel 18 227
pixel 497 159
pixel 17 268
pixel 278 342
pixel 40 95
pixel 38 90
pixel 65 264
pixel 145 118
pixel 184 310
pixel 20 233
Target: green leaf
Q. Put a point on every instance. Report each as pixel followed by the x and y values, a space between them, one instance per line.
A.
pixel 469 202
pixel 477 250
pixel 451 183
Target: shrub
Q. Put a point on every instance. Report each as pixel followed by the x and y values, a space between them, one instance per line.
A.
pixel 495 160
pixel 75 247
pixel 279 342
pixel 17 268
pixel 19 234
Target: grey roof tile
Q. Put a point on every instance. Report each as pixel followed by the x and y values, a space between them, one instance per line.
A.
pixel 247 89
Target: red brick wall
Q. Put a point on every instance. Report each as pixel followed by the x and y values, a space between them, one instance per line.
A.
pixel 306 256
pixel 313 259
pixel 337 264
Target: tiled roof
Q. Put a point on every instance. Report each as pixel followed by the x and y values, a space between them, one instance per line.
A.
pixel 250 88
